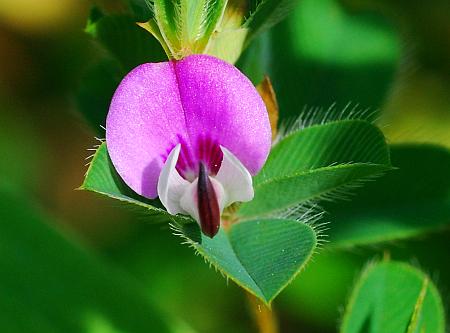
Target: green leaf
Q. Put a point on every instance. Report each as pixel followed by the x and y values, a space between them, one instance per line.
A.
pixel 319 162
pixel 102 178
pixel 187 26
pixel 266 13
pixel 141 9
pixel 255 60
pixel 126 41
pixel 409 201
pixel 324 53
pixel 120 45
pixel 49 285
pixel 96 90
pixel 287 244
pixel 261 256
pixel 392 297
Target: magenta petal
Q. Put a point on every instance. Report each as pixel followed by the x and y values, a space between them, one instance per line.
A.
pixel 145 121
pixel 221 102
pixel 200 102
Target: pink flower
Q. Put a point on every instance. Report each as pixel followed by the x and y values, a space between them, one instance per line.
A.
pixel 192 132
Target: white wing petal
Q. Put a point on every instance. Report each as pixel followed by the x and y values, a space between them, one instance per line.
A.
pixel 171 186
pixel 235 179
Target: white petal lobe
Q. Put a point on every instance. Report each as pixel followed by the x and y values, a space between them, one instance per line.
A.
pixel 188 200
pixel 235 179
pixel 171 186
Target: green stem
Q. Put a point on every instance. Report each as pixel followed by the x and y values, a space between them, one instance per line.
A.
pixel 264 317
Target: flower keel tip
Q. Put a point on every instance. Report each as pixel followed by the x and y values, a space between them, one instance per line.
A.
pixel 208 206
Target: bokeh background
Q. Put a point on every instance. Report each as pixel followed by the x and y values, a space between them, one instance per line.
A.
pixel 392 57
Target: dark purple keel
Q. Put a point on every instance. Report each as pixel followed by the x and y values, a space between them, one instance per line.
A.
pixel 208 206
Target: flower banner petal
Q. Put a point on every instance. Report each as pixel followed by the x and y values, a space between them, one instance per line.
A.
pixel 199 102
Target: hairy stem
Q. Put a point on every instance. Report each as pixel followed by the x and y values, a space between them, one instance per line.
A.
pixel 264 317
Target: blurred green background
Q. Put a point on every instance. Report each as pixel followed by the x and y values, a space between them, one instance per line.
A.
pixel 71 261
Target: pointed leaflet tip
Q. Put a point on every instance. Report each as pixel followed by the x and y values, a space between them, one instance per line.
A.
pixel 208 205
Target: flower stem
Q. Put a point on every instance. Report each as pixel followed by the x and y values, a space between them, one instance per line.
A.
pixel 264 317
